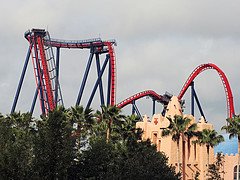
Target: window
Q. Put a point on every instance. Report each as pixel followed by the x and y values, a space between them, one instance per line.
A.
pixel 155 138
pixel 235 173
pixel 159 145
pixel 195 151
pixel 189 148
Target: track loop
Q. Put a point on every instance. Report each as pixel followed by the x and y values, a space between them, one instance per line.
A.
pixel 226 85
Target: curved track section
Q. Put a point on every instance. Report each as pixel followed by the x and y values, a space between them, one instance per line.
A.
pixel 97 43
pixel 102 46
pixel 142 94
pixel 80 44
pixel 226 85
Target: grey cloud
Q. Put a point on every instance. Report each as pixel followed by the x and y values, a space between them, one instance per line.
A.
pixel 159 44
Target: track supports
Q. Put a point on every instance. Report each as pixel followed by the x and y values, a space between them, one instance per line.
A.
pixel 46 69
pixel 109 83
pixel 100 81
pixel 226 85
pixel 85 77
pixel 34 99
pixel 97 82
pixel 154 106
pixel 21 79
pixel 135 109
pixel 194 96
pixel 57 76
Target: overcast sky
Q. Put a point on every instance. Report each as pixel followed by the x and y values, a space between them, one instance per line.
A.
pixel 159 43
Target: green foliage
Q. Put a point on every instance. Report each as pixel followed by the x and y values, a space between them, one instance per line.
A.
pixel 233 127
pixel 209 137
pixel 136 161
pixel 215 170
pixel 83 123
pixel 15 146
pixel 83 119
pixel 142 161
pixel 51 147
pixel 126 131
pixel 100 161
pixel 178 126
pixel 110 116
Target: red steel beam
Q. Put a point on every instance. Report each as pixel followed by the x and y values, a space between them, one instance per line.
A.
pixel 226 85
pixel 46 73
pixel 113 73
pixel 137 96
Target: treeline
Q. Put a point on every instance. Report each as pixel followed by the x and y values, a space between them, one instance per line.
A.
pixel 77 143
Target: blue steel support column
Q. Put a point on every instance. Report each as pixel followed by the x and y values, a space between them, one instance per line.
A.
pixel 192 98
pixel 21 79
pixel 109 80
pixel 57 76
pixel 198 104
pixel 85 77
pixel 137 111
pixel 34 100
pixel 97 83
pixel 133 108
pixel 100 82
pixel 154 106
pixel 42 93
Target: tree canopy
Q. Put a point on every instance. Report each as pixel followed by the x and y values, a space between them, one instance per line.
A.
pixel 74 143
pixel 179 128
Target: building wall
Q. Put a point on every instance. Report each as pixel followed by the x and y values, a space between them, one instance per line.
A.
pixel 230 161
pixel 196 155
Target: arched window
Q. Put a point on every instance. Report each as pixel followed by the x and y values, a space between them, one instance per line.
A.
pixel 235 173
pixel 154 138
pixel 195 151
pixel 159 145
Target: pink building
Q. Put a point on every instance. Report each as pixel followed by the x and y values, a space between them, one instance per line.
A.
pixel 196 155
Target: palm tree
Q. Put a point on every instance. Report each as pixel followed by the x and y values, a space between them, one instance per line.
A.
pixel 180 127
pixel 128 130
pixel 82 118
pixel 210 138
pixel 233 128
pixel 54 147
pixel 110 114
pixel 16 145
pixel 190 133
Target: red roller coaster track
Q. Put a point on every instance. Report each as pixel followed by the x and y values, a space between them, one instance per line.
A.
pixel 86 44
pixel 113 73
pixel 45 68
pixel 226 85
pixel 47 82
pixel 137 96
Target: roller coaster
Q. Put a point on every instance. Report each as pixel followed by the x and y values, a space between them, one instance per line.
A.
pixel 46 72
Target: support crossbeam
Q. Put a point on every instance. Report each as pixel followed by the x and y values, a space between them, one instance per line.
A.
pixel 46 69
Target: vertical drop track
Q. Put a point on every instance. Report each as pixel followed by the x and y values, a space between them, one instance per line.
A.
pixel 46 69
